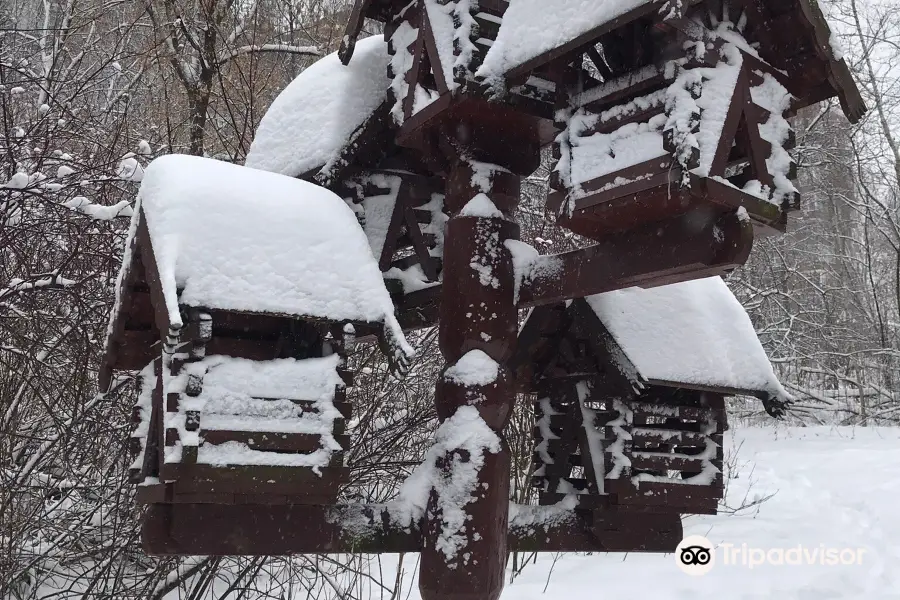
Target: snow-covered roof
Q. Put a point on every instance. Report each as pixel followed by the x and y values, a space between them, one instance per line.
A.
pixel 312 120
pixel 229 237
pixel 532 27
pixel 692 333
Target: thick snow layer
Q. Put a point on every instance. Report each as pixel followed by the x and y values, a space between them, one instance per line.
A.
pixel 473 369
pixel 230 384
pixel 481 206
pixel 601 154
pixel 402 60
pixel 533 27
pixel 235 238
pixel 714 102
pixel 773 97
pixel 314 117
pixel 235 453
pixel 689 333
pixel 377 211
pixel 452 24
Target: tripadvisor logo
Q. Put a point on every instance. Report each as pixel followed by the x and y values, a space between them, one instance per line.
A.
pixel 695 555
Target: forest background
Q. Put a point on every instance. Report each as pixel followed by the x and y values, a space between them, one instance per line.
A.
pixel 92 90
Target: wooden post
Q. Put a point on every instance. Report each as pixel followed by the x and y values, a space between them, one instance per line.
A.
pixel 465 559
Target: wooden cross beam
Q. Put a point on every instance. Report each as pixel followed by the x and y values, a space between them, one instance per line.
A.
pixel 259 530
pixel 660 254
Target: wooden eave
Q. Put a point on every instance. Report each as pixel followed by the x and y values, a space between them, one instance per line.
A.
pixel 543 332
pixel 586 39
pixel 379 10
pixel 835 78
pixel 366 146
pixel 132 349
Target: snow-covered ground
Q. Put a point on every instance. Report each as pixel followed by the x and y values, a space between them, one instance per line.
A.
pixel 830 487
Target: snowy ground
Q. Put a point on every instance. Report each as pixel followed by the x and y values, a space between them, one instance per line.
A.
pixel 833 487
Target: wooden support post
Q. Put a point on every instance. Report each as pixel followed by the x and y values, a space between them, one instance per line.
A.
pixel 464 558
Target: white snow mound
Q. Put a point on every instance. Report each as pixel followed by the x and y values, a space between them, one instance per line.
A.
pixel 315 116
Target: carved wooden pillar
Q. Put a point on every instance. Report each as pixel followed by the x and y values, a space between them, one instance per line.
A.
pixel 477 338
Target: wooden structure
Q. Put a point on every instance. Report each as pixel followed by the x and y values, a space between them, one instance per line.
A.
pixel 397 196
pixel 628 430
pixel 695 123
pixel 668 120
pixel 243 398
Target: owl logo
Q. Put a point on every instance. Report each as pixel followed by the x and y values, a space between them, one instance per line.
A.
pixel 695 555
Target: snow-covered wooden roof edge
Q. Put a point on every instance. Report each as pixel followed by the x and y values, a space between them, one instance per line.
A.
pixel 518 51
pixel 213 235
pixel 326 116
pixel 692 335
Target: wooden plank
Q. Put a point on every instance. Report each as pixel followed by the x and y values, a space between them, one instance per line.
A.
pixel 669 252
pixel 164 493
pixel 664 250
pixel 279 442
pixel 228 530
pixel 150 494
pixel 354 27
pixel 229 324
pixel 152 449
pixel 767 217
pixel 691 413
pixel 134 349
pixel 622 376
pixel 434 57
pixel 658 461
pixel 586 38
pixel 646 436
pixel 684 498
pixel 532 345
pixel 253 479
pixel 642 176
pixel 421 245
pixel 138 310
pixel 249 349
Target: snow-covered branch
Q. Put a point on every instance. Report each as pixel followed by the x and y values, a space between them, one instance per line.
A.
pixel 279 48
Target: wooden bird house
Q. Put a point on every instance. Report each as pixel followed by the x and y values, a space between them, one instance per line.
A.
pixel 332 126
pixel 436 49
pixel 238 294
pixel 630 391
pixel 663 109
pixel 681 110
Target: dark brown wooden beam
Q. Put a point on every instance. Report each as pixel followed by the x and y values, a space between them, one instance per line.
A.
pixel 259 530
pixel 661 254
pixel 658 254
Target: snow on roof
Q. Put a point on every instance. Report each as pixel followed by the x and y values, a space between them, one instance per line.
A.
pixel 689 333
pixel 234 238
pixel 312 120
pixel 532 27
